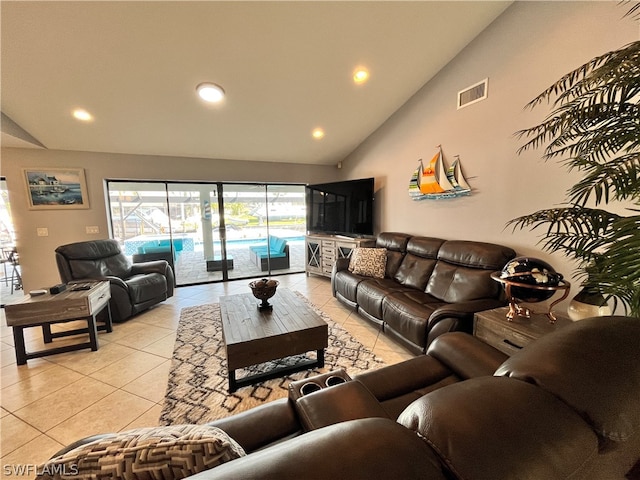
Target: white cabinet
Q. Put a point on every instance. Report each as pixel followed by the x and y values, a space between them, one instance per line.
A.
pixel 322 251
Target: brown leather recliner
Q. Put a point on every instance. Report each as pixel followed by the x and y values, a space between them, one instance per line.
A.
pixel 134 286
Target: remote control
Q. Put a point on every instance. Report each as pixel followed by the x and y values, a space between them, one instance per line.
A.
pixel 61 287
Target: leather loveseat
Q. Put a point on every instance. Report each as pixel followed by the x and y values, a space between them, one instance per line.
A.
pixel 564 407
pixel 430 286
pixel 134 286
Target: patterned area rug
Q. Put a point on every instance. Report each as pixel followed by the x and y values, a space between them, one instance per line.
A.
pixel 197 391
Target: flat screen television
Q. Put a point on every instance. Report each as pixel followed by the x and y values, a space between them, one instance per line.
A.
pixel 341 208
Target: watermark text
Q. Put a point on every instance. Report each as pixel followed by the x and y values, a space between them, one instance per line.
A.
pixel 32 469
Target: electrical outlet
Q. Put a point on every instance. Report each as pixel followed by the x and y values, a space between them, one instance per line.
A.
pixel 92 229
pixel 42 231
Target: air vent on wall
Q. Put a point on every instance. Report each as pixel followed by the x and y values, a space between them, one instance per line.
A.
pixel 473 94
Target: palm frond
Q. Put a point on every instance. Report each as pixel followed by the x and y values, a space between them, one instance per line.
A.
pixel 594 128
pixel 615 64
pixel 620 175
pixel 574 230
pixel 634 10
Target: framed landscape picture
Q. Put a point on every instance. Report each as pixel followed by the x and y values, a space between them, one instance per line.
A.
pixel 56 188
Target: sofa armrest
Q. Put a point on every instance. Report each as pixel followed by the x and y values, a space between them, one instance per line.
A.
pixel 340 403
pixel 339 265
pixel 157 266
pixel 464 310
pixel 465 355
pixel 457 316
pixel 358 449
pixel 411 375
pixel 263 425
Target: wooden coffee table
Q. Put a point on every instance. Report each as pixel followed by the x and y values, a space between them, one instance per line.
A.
pixel 45 310
pixel 252 336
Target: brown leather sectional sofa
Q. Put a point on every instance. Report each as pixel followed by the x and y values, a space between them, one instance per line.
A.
pixel 431 286
pixel 564 407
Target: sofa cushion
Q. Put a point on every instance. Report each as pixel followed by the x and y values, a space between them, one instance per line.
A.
pixel 370 262
pixel 454 283
pixel 393 241
pixel 90 250
pixel 117 266
pixel 396 245
pixel 418 263
pixel 96 258
pixel 425 247
pixel 277 244
pixel 346 283
pixel 407 313
pixel 602 386
pixel 394 259
pixel 488 256
pixel 415 271
pixel 490 428
pixel 372 291
pixel 147 453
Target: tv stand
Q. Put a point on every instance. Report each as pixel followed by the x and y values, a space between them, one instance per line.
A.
pixel 323 250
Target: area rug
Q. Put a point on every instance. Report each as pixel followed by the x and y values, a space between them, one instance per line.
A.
pixel 197 391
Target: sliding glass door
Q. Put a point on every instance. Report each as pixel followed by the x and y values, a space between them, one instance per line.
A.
pixel 211 231
pixel 265 227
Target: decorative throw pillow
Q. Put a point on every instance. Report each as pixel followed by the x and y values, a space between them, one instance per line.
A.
pixel 168 452
pixel 370 262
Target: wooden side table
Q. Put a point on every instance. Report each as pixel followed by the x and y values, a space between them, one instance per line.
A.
pixel 493 328
pixel 45 310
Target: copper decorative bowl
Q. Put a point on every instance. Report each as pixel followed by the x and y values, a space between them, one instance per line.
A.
pixel 264 289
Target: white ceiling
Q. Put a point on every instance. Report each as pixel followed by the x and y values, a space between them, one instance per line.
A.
pixel 286 68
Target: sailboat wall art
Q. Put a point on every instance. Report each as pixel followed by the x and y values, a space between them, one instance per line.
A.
pixel 436 182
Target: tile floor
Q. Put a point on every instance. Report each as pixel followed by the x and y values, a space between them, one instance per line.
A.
pixel 55 400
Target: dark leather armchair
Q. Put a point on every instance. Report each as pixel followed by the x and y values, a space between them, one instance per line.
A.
pixel 134 286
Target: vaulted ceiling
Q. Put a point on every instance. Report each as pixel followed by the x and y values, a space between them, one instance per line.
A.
pixel 286 68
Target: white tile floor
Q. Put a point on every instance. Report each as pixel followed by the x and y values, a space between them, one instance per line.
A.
pixel 55 400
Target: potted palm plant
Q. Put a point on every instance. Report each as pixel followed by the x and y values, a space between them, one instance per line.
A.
pixel 594 128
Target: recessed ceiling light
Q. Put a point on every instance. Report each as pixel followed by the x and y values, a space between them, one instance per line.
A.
pixel 318 133
pixel 210 92
pixel 360 75
pixel 82 115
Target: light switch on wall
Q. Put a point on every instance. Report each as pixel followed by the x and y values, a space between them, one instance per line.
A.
pixel 92 229
pixel 42 231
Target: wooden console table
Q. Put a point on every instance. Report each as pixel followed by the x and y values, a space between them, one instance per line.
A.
pixel 492 327
pixel 322 251
pixel 45 310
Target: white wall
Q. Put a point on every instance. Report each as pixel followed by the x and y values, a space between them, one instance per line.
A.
pixel 524 51
pixel 37 259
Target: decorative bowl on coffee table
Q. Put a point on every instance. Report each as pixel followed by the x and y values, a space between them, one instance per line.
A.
pixel 263 290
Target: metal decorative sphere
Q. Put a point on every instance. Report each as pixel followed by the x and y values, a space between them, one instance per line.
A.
pixel 530 280
pixel 523 271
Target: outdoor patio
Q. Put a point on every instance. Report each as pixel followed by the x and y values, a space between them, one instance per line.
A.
pixel 191 266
